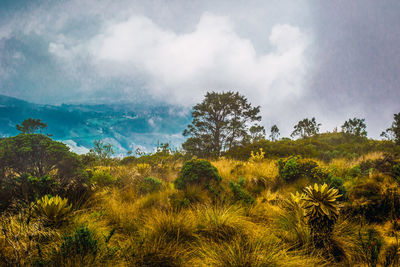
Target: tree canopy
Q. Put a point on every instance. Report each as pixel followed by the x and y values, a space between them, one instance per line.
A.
pixel 274 133
pixel 37 155
pixel 30 126
pixel 355 127
pixel 393 132
pixel 220 122
pixel 306 128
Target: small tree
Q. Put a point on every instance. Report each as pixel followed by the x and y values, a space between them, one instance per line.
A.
pixel 220 122
pixel 306 128
pixel 393 133
pixel 355 126
pixel 30 126
pixel 274 133
pixel 102 150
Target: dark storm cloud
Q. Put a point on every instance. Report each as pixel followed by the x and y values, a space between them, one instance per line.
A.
pixel 357 64
pixel 328 59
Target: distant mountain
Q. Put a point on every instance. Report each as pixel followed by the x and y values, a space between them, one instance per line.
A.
pixel 125 126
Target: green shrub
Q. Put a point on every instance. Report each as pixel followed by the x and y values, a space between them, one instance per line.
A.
pixel 150 185
pixel 241 194
pixel 292 168
pixel 200 172
pixel 81 247
pixel 337 183
pixel 101 177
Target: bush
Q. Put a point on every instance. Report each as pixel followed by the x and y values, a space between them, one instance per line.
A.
pixel 241 194
pixel 100 177
pixel 54 210
pixel 292 168
pixel 150 185
pixel 81 247
pixel 200 172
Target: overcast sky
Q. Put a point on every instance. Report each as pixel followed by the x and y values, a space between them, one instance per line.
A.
pixel 329 59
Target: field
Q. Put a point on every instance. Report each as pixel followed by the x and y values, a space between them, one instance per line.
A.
pixel 251 212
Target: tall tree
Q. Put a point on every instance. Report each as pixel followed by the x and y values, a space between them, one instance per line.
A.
pixel 274 133
pixel 393 133
pixel 306 128
pixel 355 127
pixel 220 122
pixel 30 126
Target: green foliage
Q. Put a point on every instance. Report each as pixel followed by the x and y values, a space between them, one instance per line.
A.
pixel 240 194
pixel 30 126
pixel 292 168
pixel 53 210
pixel 306 128
pixel 37 155
pixel 322 211
pixel 393 133
pixel 325 146
pixel 274 133
pixel 80 248
pixel 102 151
pixel 197 171
pixel 150 185
pixel 221 121
pixel 100 177
pixel 355 126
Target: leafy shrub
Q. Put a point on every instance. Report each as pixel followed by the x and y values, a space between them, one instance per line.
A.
pixel 150 185
pixel 81 247
pixel 100 177
pixel 337 183
pixel 54 210
pixel 241 194
pixel 198 171
pixel 292 168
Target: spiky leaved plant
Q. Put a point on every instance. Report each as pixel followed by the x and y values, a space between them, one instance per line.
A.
pixel 53 210
pixel 321 210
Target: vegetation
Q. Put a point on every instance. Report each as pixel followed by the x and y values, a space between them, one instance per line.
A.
pixel 331 199
pixel 355 127
pixel 220 122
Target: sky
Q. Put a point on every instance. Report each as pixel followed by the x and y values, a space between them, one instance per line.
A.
pixel 332 60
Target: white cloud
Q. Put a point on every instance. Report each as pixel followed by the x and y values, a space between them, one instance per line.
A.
pixel 75 147
pixel 180 68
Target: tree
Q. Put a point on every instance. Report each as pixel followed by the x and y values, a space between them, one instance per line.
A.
pixel 220 122
pixel 355 127
pixel 37 155
pixel 274 133
pixel 393 133
pixel 102 150
pixel 257 133
pixel 30 126
pixel 306 128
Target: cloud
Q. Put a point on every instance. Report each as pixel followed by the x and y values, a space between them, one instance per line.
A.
pixel 180 68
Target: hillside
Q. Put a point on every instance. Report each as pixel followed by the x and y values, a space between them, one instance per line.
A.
pixel 126 126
